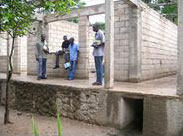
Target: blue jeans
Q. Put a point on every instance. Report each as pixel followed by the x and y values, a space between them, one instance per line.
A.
pixel 41 67
pixel 72 69
pixel 99 68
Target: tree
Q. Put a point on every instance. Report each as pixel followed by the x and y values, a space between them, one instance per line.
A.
pixel 16 17
pixel 101 25
pixel 167 8
pixel 79 5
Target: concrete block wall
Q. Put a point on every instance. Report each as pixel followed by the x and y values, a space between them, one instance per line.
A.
pixel 121 40
pixel 91 38
pixel 56 32
pixel 3 64
pixel 163 116
pixel 3 52
pixel 17 56
pixel 3 44
pixel 23 48
pixel 159 45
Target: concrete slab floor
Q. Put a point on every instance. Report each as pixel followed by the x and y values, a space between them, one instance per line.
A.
pixel 164 86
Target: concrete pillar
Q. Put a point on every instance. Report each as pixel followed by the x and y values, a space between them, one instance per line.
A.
pixel 180 48
pixel 135 46
pixel 83 63
pixel 109 44
pixel 162 116
pixel 17 56
pixel 31 43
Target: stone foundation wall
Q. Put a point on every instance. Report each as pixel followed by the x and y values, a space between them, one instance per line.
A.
pixel 162 115
pixel 88 105
pixel 159 45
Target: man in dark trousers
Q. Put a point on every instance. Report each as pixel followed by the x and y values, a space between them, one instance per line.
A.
pixel 65 45
pixel 98 53
pixel 41 57
pixel 74 55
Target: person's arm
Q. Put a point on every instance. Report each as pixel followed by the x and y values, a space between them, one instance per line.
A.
pixel 62 46
pixel 37 51
pixel 102 37
pixel 47 48
pixel 78 51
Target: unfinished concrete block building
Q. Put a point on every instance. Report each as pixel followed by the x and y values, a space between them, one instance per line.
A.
pixel 145 47
pixel 145 43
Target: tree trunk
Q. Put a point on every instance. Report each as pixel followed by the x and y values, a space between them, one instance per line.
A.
pixel 8 78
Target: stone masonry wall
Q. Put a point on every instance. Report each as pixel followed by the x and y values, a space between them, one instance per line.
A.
pixel 88 105
pixel 159 45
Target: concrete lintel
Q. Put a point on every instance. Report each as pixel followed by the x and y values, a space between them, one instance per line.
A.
pixel 86 11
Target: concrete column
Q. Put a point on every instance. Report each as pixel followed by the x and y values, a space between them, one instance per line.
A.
pixel 17 56
pixel 180 48
pixel 135 46
pixel 109 44
pixel 83 63
pixel 31 43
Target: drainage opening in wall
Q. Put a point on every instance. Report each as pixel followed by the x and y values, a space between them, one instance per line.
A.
pixel 135 127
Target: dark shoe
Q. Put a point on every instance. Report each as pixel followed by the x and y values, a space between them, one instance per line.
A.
pixel 56 67
pixel 43 77
pixel 96 83
pixel 38 78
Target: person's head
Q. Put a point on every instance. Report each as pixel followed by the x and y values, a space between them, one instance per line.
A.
pixel 65 38
pixel 43 37
pixel 95 28
pixel 71 40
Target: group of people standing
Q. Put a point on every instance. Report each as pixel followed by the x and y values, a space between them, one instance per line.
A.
pixel 70 51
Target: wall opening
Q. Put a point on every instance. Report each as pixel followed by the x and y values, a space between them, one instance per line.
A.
pixel 136 126
pixel 23 52
pixel 100 20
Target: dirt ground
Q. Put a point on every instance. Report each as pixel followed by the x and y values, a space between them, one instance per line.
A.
pixel 47 126
pixel 22 126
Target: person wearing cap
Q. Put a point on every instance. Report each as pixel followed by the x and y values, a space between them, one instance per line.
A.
pixel 98 53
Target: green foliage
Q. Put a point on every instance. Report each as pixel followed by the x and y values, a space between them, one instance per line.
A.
pixel 101 25
pixel 34 128
pixel 59 126
pixel 168 9
pixel 16 16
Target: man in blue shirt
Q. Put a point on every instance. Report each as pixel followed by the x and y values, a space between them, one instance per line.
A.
pixel 98 53
pixel 74 54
